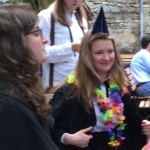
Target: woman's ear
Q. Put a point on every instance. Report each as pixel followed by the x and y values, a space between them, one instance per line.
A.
pixel 148 47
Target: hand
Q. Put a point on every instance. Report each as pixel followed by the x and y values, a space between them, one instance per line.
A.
pixel 79 139
pixel 146 127
pixel 76 47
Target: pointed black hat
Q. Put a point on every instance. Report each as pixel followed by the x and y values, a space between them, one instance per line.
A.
pixel 100 24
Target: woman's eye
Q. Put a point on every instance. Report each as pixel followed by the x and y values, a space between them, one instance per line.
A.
pixel 99 52
pixel 37 33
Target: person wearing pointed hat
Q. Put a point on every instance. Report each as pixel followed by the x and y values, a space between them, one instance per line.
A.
pixel 92 107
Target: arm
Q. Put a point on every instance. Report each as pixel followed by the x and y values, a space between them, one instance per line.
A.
pixel 134 135
pixel 63 111
pixel 146 127
pixel 80 139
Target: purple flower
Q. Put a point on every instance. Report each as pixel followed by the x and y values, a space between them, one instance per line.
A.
pixel 115 97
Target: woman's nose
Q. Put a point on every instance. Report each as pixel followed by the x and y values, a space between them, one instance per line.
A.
pixel 44 39
pixel 106 56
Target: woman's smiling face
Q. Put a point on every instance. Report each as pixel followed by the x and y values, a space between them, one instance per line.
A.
pixel 103 55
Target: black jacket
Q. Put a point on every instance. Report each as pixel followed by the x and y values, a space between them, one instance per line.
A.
pixel 20 127
pixel 70 116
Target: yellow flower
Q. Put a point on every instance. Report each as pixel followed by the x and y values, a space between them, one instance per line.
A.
pixel 71 78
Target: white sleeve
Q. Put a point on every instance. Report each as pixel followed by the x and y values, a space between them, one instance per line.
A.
pixel 62 139
pixel 56 53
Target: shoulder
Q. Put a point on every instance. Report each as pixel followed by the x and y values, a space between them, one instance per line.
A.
pixel 141 53
pixel 45 13
pixel 13 109
pixel 14 101
pixel 62 95
pixel 63 91
pixel 138 56
pixel 142 56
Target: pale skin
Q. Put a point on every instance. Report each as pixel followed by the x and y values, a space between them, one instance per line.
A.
pixel 36 43
pixel 146 127
pixel 80 139
pixel 148 47
pixel 103 56
pixel 70 6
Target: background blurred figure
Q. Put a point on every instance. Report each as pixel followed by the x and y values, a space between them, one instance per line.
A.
pixel 24 113
pixel 93 109
pixel 69 27
pixel 43 4
pixel 140 67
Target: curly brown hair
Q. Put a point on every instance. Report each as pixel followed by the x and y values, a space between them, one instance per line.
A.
pixel 17 65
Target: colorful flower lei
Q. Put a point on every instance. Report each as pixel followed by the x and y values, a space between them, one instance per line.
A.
pixel 112 109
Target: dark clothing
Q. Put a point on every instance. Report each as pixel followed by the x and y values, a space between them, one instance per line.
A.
pixel 70 117
pixel 20 127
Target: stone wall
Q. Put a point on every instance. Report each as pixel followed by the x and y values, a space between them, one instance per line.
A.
pixel 123 20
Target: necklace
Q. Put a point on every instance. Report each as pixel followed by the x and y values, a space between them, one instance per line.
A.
pixel 112 108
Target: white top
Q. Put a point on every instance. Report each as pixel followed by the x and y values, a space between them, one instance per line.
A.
pixel 99 123
pixel 61 53
pixel 140 66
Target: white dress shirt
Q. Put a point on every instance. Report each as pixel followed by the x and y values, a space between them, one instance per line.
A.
pixel 140 66
pixel 61 53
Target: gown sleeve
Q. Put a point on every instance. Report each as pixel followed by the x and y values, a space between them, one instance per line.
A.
pixel 134 136
pixel 61 113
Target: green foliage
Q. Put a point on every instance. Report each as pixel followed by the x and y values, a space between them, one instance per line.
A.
pixel 16 1
pixel 21 1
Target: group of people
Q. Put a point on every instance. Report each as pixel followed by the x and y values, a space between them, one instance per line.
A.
pixel 91 109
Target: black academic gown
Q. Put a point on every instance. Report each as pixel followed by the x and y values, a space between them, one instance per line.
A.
pixel 20 127
pixel 70 117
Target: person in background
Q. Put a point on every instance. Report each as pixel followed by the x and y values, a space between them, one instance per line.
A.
pixel 69 27
pixel 43 4
pixel 26 123
pixel 140 67
pixel 92 108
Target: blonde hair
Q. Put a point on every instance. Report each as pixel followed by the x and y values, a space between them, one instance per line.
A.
pixel 87 77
